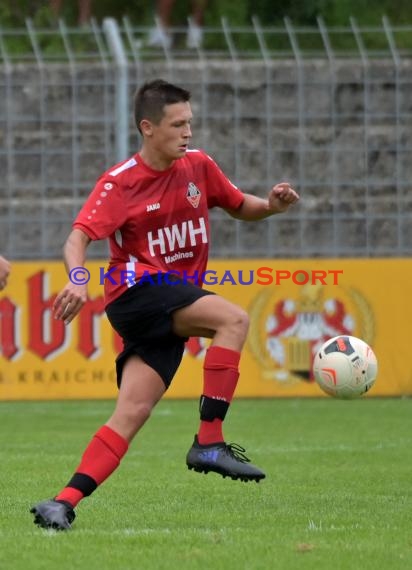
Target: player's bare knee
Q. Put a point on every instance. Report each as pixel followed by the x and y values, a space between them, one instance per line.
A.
pixel 137 414
pixel 143 411
pixel 244 323
pixel 238 322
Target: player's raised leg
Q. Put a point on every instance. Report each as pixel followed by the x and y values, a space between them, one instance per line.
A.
pixel 214 317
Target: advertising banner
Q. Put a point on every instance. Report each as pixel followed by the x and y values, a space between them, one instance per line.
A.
pixel 293 305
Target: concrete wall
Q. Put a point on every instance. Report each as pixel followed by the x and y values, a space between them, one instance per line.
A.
pixel 341 133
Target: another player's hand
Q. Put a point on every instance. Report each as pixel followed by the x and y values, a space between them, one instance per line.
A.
pixel 69 302
pixel 281 197
pixel 4 272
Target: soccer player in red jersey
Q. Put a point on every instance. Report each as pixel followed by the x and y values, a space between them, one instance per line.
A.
pixel 153 208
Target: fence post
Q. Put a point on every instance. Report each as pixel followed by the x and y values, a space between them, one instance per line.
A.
pixel 8 244
pixel 366 125
pixel 302 145
pixel 398 126
pixel 332 93
pixel 116 46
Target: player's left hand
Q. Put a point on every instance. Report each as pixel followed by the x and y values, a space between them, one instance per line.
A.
pixel 281 197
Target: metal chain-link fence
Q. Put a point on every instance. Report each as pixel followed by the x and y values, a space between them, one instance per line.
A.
pixel 332 117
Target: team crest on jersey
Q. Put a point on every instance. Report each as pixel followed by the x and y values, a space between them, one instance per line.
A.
pixel 193 194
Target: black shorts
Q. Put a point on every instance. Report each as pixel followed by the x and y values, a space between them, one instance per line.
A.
pixel 142 316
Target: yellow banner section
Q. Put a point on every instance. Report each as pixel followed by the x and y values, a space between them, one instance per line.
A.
pixel 292 305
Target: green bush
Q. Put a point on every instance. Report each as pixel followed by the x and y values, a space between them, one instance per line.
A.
pixel 240 12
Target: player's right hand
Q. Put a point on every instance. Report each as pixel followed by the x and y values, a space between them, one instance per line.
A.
pixel 69 302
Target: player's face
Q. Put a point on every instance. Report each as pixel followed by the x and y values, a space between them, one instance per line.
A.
pixel 170 137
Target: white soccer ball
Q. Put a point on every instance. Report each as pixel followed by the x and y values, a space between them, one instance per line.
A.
pixel 345 367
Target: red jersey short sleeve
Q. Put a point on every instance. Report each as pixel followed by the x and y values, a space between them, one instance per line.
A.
pixel 221 191
pixel 156 220
pixel 104 211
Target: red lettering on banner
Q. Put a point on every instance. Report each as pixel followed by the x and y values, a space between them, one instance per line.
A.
pixel 8 328
pixel 117 342
pixel 89 327
pixel 195 346
pixel 46 334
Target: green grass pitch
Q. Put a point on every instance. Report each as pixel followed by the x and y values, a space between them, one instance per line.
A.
pixel 338 492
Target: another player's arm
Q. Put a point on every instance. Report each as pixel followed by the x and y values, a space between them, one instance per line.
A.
pixel 4 272
pixel 72 298
pixel 254 208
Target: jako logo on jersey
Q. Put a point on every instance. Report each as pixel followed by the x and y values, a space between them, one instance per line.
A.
pixel 193 194
pixel 176 237
pixel 152 207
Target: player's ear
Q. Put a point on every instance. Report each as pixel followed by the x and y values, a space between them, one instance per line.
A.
pixel 146 128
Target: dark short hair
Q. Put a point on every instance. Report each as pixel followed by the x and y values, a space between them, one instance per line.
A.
pixel 150 99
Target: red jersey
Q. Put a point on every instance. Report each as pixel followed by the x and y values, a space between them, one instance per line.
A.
pixel 155 220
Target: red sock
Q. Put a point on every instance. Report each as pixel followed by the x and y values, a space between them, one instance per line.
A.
pixel 101 457
pixel 221 373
